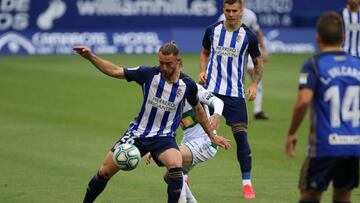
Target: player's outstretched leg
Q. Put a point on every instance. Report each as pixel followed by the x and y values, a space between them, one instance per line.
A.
pixel 95 187
pixel 98 183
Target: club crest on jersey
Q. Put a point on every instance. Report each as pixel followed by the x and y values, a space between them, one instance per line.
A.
pixel 179 92
pixel 238 39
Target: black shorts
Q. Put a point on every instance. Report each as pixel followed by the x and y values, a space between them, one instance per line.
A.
pixel 154 145
pixel 316 173
pixel 235 111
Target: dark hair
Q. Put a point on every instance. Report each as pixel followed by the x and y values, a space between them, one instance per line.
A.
pixel 233 2
pixel 330 28
pixel 169 48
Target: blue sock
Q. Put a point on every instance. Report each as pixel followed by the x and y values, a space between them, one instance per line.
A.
pixel 95 187
pixel 175 181
pixel 243 153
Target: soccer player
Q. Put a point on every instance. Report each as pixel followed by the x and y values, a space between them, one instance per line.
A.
pixel 250 20
pixel 165 89
pixel 195 146
pixel 329 83
pixel 226 46
pixel 351 18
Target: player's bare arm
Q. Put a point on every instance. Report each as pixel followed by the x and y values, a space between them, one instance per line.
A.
pixel 302 103
pixel 204 58
pixel 264 55
pixel 200 116
pixel 101 64
pixel 255 78
pixel 258 70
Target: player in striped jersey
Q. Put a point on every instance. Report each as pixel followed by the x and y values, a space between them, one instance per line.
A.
pixel 226 46
pixel 330 84
pixel 250 20
pixel 351 18
pixel 165 90
pixel 196 147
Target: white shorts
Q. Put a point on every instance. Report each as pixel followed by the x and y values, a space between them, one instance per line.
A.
pixel 202 150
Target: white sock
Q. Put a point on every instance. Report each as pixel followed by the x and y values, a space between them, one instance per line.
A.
pixel 258 100
pixel 183 190
pixel 186 187
pixel 246 182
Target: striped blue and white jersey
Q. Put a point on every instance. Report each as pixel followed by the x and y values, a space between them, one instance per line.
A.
pixel 352 31
pixel 228 58
pixel 334 78
pixel 163 103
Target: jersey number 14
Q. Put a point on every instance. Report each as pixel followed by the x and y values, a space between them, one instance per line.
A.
pixel 348 108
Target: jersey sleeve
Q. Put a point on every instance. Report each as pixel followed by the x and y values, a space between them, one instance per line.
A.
pixel 205 96
pixel 254 49
pixel 206 43
pixel 307 77
pixel 192 96
pixel 139 74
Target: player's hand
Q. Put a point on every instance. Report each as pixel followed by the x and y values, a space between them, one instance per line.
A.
pixel 202 78
pixel 214 121
pixel 251 92
pixel 83 51
pixel 148 158
pixel 290 144
pixel 220 141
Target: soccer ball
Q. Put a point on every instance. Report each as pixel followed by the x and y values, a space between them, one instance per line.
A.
pixel 126 157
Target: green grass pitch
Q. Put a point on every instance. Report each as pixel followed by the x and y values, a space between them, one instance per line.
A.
pixel 59 116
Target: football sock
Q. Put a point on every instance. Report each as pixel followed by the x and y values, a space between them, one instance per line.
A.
pixel 95 187
pixel 243 152
pixel 187 191
pixel 258 99
pixel 334 201
pixel 183 190
pixel 175 182
pixel 246 182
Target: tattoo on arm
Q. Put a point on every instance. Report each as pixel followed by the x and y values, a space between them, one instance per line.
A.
pixel 258 69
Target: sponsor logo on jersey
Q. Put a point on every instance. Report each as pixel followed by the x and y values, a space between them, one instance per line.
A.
pixel 162 104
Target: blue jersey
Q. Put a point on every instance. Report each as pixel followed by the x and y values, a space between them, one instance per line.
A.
pixel 334 78
pixel 163 103
pixel 228 58
pixel 352 31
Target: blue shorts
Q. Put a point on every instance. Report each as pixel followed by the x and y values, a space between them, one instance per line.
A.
pixel 235 111
pixel 316 173
pixel 154 145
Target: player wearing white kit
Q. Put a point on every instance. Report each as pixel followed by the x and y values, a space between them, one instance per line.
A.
pixel 250 20
pixel 195 146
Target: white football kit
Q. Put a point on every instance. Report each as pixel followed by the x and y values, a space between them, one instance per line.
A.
pixel 194 136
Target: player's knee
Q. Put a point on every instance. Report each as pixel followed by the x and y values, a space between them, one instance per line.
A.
pixel 341 196
pixel 238 128
pixel 106 172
